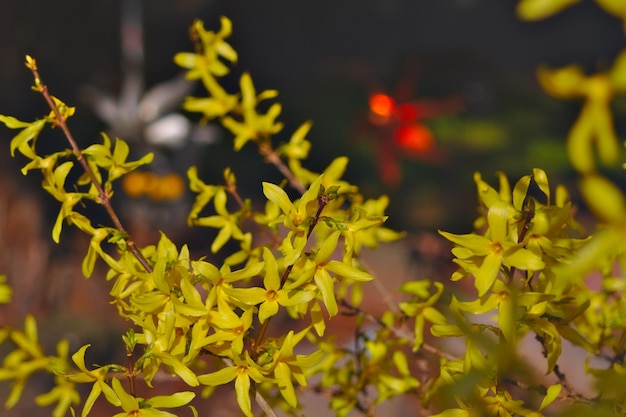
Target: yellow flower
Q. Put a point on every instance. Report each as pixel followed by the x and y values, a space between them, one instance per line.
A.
pixel 242 371
pixel 139 407
pixel 213 46
pixel 487 254
pixel 254 126
pixel 272 296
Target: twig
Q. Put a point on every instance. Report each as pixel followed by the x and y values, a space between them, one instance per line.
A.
pixel 105 201
pixel 103 197
pixel 382 290
pixel 231 187
pixel 272 157
pixel 570 392
pixel 402 332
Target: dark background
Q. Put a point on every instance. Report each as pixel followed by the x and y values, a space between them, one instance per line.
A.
pixel 324 58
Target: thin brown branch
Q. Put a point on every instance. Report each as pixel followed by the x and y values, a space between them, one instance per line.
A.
pixel 103 197
pixel 401 332
pixel 131 373
pixel 231 187
pixel 569 391
pixel 273 158
pixel 382 290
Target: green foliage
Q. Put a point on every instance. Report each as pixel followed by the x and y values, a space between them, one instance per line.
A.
pixel 300 255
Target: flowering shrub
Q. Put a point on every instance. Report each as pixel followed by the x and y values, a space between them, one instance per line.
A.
pixel 209 324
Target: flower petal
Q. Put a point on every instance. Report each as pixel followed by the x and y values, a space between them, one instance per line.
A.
pixel 221 377
pixel 487 273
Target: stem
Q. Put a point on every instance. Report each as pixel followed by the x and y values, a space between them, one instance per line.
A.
pixel 103 197
pixel 382 290
pixel 569 391
pixel 273 158
pixel 232 190
pixel 401 332
pixel 131 374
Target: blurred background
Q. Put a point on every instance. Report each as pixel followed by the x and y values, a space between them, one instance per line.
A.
pixel 418 94
pixel 326 59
